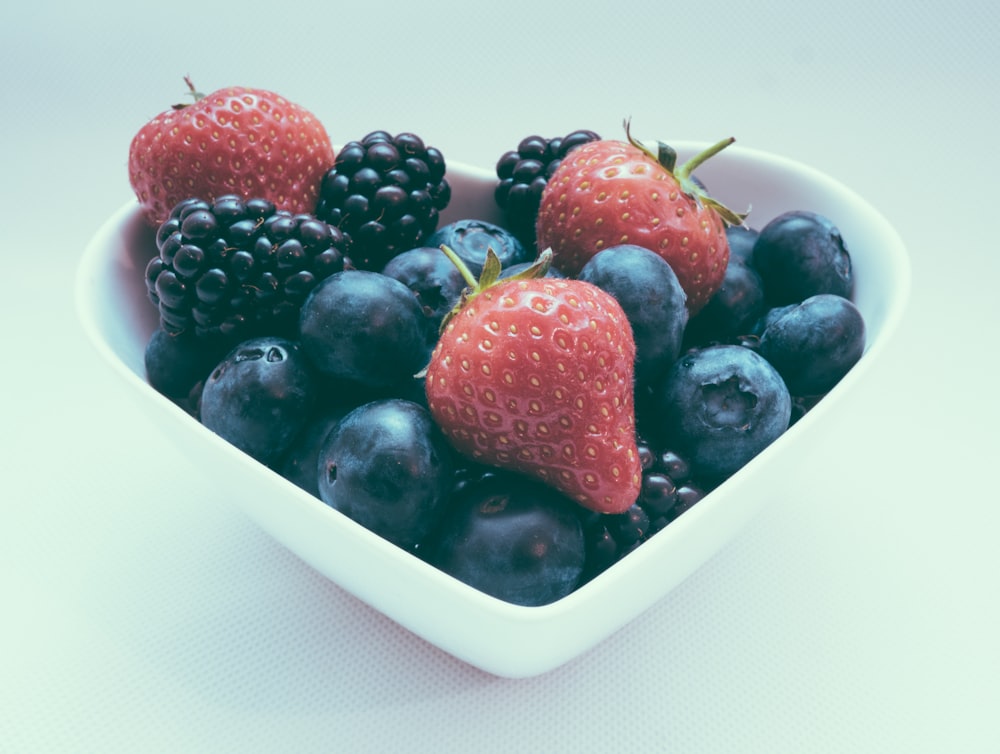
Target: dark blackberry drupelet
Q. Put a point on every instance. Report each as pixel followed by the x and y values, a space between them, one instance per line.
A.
pixel 668 489
pixel 386 193
pixel 233 269
pixel 523 173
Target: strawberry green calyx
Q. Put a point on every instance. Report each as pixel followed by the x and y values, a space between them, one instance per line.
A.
pixel 490 276
pixel 666 157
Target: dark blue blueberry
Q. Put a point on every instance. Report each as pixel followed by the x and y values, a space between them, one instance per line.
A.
pixel 799 254
pixel 387 466
pixel 469 239
pixel 364 327
pixel 260 396
pixel 769 315
pixel 516 269
pixel 434 279
pixel 647 289
pixel 741 240
pixel 302 457
pixel 177 364
pixel 815 343
pixel 512 538
pixel 736 306
pixel 719 407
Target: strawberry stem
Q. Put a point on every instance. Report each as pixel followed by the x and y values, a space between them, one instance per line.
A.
pixel 683 174
pixel 192 92
pixel 192 89
pixel 685 170
pixel 463 269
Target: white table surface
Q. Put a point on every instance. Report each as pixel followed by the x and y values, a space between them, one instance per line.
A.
pixel 140 614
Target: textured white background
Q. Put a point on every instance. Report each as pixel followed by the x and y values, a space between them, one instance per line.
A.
pixel 138 615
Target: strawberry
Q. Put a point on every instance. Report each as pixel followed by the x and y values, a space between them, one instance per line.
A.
pixel 535 375
pixel 608 192
pixel 237 140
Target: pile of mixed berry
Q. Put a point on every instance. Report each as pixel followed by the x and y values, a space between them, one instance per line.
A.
pixel 520 406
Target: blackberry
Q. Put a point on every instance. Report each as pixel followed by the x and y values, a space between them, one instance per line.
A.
pixel 668 489
pixel 385 193
pixel 233 269
pixel 523 174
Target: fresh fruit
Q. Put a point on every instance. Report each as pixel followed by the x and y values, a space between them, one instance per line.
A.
pixel 668 490
pixel 738 304
pixel 767 317
pixel 741 239
pixel 534 375
pixel 177 364
pixel 469 239
pixel 237 140
pixel 508 449
pixel 364 327
pixel 607 193
pixel 387 466
pixel 800 254
pixel 385 192
pixel 233 269
pixel 523 173
pixel 516 269
pixel 260 396
pixel 513 538
pixel 651 297
pixel 720 406
pixel 301 461
pixel 434 280
pixel 813 344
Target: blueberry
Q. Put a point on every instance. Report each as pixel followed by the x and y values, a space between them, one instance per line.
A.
pixel 770 315
pixel 516 269
pixel 433 278
pixel 302 457
pixel 513 538
pixel 654 302
pixel 734 307
pixel 720 406
pixel 260 396
pixel 741 240
pixel 364 327
pixel 178 363
pixel 800 254
pixel 387 466
pixel 469 239
pixel 815 343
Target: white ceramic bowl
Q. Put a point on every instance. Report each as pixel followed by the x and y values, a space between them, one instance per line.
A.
pixel 501 638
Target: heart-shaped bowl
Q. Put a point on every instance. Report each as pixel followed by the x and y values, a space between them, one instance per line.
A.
pixel 498 637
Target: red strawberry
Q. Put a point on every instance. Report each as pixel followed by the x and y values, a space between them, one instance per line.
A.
pixel 609 192
pixel 535 375
pixel 237 140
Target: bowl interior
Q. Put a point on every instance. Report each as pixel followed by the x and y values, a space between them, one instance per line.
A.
pixel 495 636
